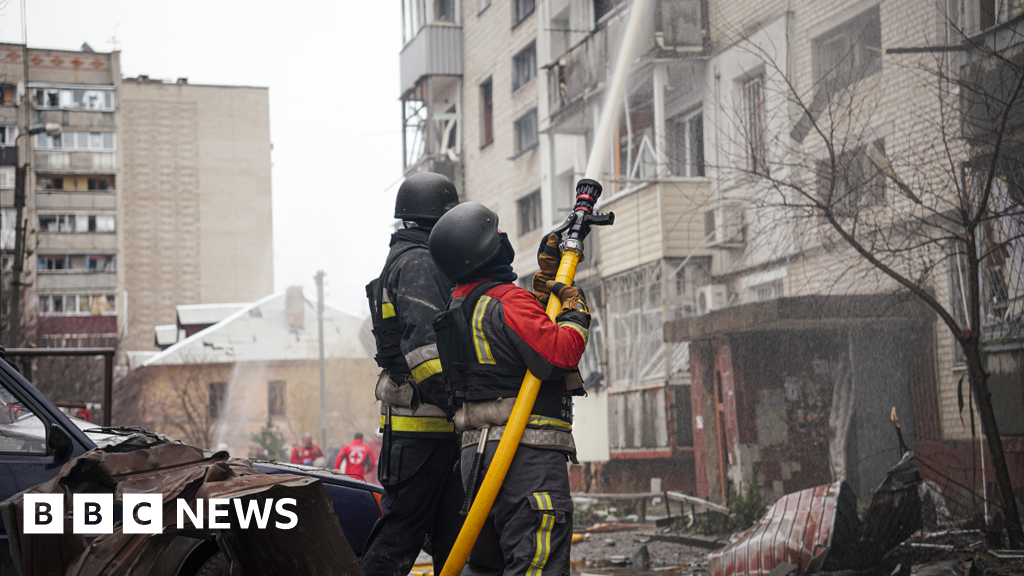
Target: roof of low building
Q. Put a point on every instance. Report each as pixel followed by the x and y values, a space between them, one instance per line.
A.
pixel 260 332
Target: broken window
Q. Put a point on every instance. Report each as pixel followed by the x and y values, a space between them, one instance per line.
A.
pixel 854 182
pixel 102 262
pixel 526 131
pixel 51 183
pixel 602 7
pixel 686 155
pixel 276 397
pixel 486 112
pixel 216 395
pixel 753 113
pixel 101 183
pixel 849 52
pixel 524 66
pixel 523 8
pixel 52 262
pixel 7 93
pixel 529 212
pixel 8 135
pixel 72 98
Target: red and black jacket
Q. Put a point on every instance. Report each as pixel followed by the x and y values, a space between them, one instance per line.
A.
pixel 486 351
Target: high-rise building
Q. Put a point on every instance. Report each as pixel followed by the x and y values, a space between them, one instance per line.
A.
pixel 152 195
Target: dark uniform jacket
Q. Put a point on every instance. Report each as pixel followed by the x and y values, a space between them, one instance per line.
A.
pixel 415 291
pixel 511 329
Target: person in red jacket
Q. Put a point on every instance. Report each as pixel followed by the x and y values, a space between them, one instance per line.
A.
pixel 307 452
pixel 358 457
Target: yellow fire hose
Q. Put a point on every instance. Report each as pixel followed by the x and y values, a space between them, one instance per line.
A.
pixel 498 468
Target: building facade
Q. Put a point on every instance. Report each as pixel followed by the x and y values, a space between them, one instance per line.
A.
pixel 154 194
pixel 736 337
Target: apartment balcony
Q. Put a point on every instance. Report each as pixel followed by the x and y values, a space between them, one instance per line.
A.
pixel 91 242
pixel 85 280
pixel 79 119
pixel 61 161
pixel 435 51
pixel 76 200
pixel 678 31
pixel 654 220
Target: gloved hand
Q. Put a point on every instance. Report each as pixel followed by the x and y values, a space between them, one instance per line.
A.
pixel 548 258
pixel 572 299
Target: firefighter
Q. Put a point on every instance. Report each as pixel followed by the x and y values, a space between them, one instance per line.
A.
pixel 491 333
pixel 422 489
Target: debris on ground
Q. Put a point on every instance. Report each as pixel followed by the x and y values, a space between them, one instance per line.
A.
pixel 818 528
pixel 149 465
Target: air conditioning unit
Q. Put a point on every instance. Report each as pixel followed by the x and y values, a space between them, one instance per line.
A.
pixel 724 225
pixel 712 297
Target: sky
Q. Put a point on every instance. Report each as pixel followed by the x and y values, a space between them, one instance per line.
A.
pixel 335 118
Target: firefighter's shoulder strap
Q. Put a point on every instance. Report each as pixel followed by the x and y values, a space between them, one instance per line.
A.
pixel 451 327
pixel 387 330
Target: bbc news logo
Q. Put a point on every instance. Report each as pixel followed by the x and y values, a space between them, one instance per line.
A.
pixel 143 513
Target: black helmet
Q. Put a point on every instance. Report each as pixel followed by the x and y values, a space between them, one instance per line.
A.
pixel 464 239
pixel 425 196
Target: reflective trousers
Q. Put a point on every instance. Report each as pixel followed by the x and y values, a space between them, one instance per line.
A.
pixel 529 529
pixel 423 499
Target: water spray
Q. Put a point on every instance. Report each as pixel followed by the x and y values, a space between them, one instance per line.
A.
pixel 576 228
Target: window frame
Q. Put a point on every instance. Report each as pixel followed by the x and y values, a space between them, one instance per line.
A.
pixel 486 92
pixel 754 122
pixel 858 59
pixel 529 222
pixel 527 68
pixel 519 17
pixel 682 142
pixel 277 389
pixel 871 184
pixel 517 128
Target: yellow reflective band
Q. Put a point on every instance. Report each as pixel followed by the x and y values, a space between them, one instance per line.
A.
pixel 418 424
pixel 387 310
pixel 542 421
pixel 583 331
pixel 426 370
pixel 483 349
pixel 547 522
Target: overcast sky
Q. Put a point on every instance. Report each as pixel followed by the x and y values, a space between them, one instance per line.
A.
pixel 332 70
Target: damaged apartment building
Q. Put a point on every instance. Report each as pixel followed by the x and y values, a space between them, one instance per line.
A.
pixel 152 194
pixel 728 343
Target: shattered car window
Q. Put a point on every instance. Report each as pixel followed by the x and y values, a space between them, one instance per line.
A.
pixel 20 429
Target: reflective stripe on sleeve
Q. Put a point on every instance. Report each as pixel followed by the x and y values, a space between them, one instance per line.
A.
pixel 583 331
pixel 387 310
pixel 426 370
pixel 421 355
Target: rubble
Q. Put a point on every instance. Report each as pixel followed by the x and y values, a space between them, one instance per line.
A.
pixel 147 465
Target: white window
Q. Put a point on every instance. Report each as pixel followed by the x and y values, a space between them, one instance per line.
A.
pixel 7 177
pixel 78 140
pixel 8 135
pixel 77 305
pixel 74 98
pixel 686 153
pixel 7 217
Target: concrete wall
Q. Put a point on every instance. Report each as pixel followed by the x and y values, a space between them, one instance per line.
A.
pixel 196 212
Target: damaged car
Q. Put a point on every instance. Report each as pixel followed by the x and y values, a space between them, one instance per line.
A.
pixel 38 441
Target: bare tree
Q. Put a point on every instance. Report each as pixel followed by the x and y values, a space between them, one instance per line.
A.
pixel 938 194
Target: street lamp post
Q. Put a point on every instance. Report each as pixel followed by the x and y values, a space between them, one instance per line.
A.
pixel 20 227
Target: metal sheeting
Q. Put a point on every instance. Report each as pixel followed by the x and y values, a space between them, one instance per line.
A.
pixel 435 51
pixel 797 529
